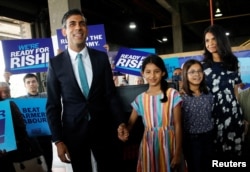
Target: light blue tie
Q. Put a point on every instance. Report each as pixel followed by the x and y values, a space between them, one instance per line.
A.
pixel 82 75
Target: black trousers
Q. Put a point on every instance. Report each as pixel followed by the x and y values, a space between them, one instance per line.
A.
pixel 198 151
pixel 47 149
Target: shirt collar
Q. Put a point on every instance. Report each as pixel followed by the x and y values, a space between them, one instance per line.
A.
pixel 32 95
pixel 73 54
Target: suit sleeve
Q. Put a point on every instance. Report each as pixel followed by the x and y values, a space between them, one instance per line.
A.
pixel 115 104
pixel 53 105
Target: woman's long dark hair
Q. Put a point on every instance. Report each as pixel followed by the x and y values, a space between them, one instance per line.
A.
pixel 229 60
pixel 185 86
pixel 156 60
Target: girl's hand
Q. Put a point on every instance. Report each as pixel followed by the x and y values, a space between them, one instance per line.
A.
pixel 123 132
pixel 175 162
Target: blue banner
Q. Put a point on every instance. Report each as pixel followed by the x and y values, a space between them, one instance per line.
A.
pixel 148 50
pixel 96 38
pixel 27 55
pixel 171 64
pixel 129 61
pixel 34 115
pixel 243 57
pixel 7 135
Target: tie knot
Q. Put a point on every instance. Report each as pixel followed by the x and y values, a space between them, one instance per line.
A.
pixel 79 56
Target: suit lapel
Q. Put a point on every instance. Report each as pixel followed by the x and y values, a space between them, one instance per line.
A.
pixel 67 62
pixel 94 68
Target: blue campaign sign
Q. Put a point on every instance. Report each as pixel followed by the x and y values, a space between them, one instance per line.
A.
pixel 184 59
pixel 244 59
pixel 171 64
pixel 61 40
pixel 149 50
pixel 7 135
pixel 129 61
pixel 34 115
pixel 176 62
pixel 27 55
pixel 96 38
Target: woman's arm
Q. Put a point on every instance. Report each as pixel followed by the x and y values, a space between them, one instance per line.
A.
pixel 236 89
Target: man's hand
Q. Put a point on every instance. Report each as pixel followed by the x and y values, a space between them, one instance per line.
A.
pixel 62 152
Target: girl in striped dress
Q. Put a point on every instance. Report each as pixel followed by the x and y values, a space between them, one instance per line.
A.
pixel 159 107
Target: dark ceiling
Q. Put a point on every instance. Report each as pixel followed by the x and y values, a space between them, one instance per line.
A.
pixel 153 20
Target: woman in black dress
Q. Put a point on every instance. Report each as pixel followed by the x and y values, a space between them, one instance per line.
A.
pixel 221 68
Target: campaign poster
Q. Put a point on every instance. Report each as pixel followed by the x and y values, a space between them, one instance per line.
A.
pixel 112 56
pixel 34 115
pixel 149 50
pixel 177 62
pixel 129 61
pixel 96 38
pixel 7 134
pixel 244 59
pixel 27 55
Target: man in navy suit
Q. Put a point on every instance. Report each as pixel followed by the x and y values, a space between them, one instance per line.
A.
pixel 83 126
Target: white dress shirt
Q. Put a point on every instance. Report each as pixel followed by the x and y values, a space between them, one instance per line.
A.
pixel 86 63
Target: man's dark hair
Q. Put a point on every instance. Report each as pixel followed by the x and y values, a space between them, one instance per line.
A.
pixel 30 75
pixel 177 68
pixel 70 13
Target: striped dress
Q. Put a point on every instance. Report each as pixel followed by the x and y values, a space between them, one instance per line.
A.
pixel 158 142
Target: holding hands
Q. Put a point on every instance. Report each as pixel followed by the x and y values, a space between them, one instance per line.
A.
pixel 123 132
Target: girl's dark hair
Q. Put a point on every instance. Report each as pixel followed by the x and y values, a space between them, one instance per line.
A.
pixel 203 87
pixel 156 60
pixel 70 13
pixel 229 60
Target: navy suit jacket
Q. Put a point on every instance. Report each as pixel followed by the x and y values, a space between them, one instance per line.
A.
pixel 67 108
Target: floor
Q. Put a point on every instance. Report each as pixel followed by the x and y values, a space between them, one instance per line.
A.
pixel 130 159
pixel 58 166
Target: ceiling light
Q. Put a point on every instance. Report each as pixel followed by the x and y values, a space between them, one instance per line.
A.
pixel 160 41
pixel 164 39
pixel 132 25
pixel 218 13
